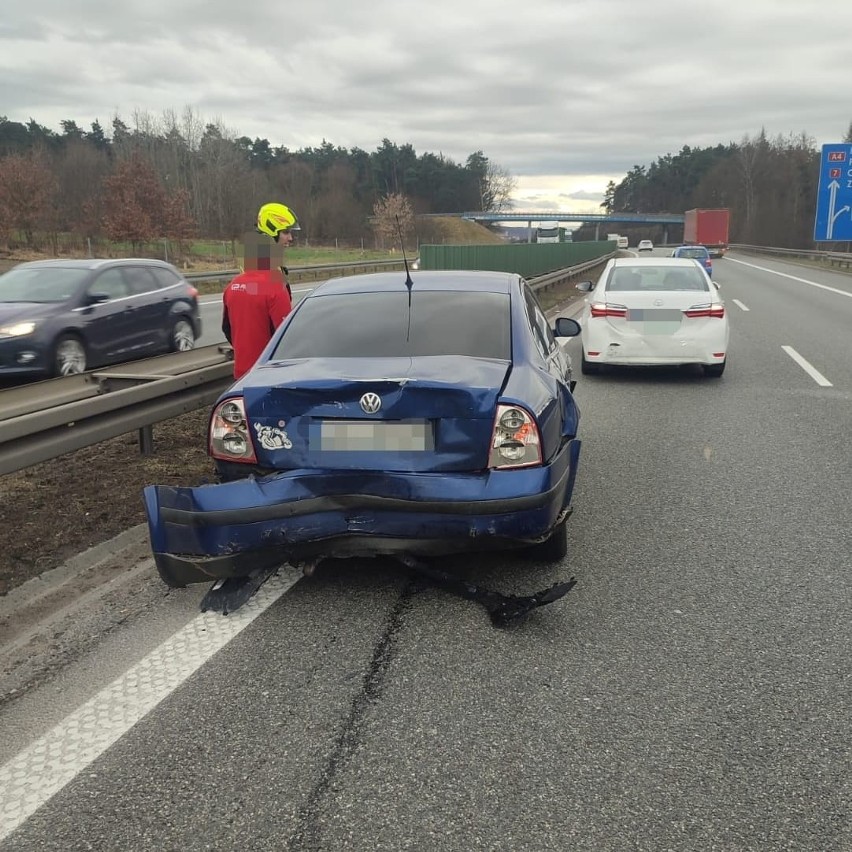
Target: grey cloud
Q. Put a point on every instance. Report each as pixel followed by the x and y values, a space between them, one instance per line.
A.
pixel 586 87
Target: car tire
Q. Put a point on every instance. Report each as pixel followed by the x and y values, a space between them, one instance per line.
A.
pixel 554 548
pixel 714 371
pixel 587 368
pixel 69 356
pixel 182 336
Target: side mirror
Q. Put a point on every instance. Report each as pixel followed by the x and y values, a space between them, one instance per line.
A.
pixel 586 286
pixel 566 327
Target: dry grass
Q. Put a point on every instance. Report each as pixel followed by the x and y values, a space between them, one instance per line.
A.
pixel 62 507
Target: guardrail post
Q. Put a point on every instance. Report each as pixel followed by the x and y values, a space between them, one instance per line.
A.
pixel 146 441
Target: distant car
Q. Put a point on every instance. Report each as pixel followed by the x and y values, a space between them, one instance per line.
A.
pixel 385 420
pixel 645 245
pixel 59 317
pixel 697 253
pixel 651 312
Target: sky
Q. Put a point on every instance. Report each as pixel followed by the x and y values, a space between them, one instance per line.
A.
pixel 565 95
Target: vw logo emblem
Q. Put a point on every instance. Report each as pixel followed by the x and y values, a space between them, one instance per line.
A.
pixel 658 301
pixel 371 403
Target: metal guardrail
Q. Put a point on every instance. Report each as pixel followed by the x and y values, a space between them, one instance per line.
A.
pixel 48 419
pixel 832 258
pixel 564 276
pixel 297 274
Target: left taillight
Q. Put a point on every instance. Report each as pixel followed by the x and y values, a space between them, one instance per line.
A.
pixel 607 309
pixel 230 439
pixel 193 292
pixel 515 441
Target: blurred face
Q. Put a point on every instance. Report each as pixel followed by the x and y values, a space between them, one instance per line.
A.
pixel 260 252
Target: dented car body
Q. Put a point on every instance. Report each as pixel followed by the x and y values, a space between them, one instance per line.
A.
pixel 387 416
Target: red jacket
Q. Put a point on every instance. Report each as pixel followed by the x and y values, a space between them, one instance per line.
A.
pixel 253 306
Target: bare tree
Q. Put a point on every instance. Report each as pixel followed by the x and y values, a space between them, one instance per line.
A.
pixel 80 169
pixel 498 186
pixel 27 189
pixel 393 215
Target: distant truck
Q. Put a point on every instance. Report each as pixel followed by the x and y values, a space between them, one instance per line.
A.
pixel 708 228
pixel 620 241
pixel 548 232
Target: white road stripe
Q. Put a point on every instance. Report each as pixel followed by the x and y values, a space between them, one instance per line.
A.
pixel 815 374
pixel 44 767
pixel 793 278
pixel 739 304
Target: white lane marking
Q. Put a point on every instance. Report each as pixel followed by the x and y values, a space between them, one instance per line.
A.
pixel 795 278
pixel 44 767
pixel 739 304
pixel 812 371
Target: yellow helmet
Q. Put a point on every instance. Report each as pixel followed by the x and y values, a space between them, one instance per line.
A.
pixel 274 218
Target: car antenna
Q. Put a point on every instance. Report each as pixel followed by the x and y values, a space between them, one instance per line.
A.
pixel 408 282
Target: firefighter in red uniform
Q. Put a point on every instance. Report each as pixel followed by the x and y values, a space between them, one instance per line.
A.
pixel 255 303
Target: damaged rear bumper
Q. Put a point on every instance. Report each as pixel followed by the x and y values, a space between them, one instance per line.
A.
pixel 228 530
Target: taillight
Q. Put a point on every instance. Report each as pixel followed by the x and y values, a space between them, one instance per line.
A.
pixel 193 292
pixel 515 441
pixel 717 311
pixel 230 439
pixel 605 309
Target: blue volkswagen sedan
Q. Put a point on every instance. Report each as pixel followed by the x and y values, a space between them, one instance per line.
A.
pixel 389 415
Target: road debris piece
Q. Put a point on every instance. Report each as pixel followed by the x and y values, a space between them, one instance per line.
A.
pixel 229 595
pixel 505 610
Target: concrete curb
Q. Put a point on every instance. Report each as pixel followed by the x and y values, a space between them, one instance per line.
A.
pixel 42 596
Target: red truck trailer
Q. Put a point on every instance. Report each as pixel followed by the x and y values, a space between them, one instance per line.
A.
pixel 708 228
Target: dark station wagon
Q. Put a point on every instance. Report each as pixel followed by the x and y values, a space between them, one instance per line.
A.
pixel 59 317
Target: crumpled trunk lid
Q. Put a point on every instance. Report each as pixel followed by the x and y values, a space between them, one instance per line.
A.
pixel 425 413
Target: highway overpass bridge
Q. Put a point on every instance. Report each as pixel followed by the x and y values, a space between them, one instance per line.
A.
pixel 664 219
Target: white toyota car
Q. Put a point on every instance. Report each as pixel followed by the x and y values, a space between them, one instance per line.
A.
pixel 654 312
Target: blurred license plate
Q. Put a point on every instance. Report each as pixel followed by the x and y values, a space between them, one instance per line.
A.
pixel 387 435
pixel 656 320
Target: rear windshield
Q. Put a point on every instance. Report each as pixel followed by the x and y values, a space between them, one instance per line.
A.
pixel 657 278
pixel 692 252
pixel 376 325
pixel 48 284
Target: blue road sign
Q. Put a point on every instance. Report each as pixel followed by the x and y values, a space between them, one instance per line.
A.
pixel 834 198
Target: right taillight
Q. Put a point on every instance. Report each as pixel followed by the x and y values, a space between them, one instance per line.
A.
pixel 515 441
pixel 606 309
pixel 230 439
pixel 717 311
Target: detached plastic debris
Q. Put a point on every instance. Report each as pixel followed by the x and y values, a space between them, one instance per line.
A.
pixel 229 595
pixel 504 610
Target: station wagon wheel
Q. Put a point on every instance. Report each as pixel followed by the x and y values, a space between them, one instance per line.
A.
pixel 182 337
pixel 69 356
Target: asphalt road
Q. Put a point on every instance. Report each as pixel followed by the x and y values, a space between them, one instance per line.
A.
pixel 691 693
